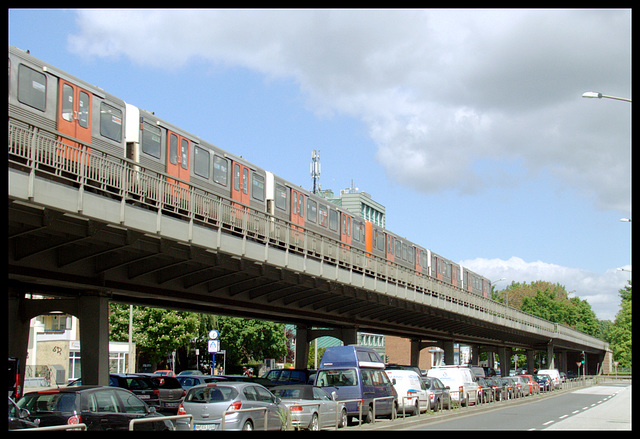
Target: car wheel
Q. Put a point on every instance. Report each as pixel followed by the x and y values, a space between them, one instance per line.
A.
pixel 248 426
pixel 368 417
pixel 314 425
pixel 343 419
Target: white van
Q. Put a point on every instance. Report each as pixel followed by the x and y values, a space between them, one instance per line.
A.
pixel 460 380
pixel 411 391
pixel 554 374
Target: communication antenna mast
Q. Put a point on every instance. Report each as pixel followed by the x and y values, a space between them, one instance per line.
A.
pixel 315 167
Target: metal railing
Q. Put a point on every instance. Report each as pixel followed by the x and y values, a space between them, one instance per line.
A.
pixel 37 152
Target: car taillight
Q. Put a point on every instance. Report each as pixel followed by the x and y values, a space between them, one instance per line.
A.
pixel 296 408
pixel 181 410
pixel 236 405
pixel 74 420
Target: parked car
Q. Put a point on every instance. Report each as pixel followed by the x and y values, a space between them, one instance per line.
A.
pixel 142 386
pixel 497 387
pixel 249 379
pixel 19 418
pixel 555 377
pixel 301 400
pixel 438 393
pixel 534 387
pixel 188 381
pixel 544 381
pixel 98 407
pixel 170 390
pixel 281 377
pixel 508 388
pixel 485 390
pixel 357 372
pixel 207 402
pixel 412 392
pixel 165 372
pixel 190 372
pixel 461 381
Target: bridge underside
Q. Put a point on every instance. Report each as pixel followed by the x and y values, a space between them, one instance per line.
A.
pixel 60 254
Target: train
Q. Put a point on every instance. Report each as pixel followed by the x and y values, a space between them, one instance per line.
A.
pixel 91 120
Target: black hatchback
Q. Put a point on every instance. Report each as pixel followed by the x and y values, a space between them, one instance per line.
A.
pixel 142 386
pixel 99 408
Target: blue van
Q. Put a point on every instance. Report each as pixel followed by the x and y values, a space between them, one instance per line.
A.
pixel 357 372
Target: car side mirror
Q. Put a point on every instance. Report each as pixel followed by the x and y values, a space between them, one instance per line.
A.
pixel 152 409
pixel 334 396
pixel 393 381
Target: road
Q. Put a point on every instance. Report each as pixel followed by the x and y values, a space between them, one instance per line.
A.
pixel 603 407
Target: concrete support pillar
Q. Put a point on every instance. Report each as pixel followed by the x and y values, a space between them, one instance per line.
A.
pixel 416 346
pixel 18 335
pixel 302 347
pixel 530 360
pixel 475 354
pixel 550 360
pixel 448 352
pixel 93 314
pixel 504 354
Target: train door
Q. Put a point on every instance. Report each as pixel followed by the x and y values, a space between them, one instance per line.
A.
pixel 297 214
pixel 74 118
pixel 390 247
pixel 418 256
pixel 345 228
pixel 177 163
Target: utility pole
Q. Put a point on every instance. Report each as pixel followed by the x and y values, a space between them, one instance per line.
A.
pixel 315 168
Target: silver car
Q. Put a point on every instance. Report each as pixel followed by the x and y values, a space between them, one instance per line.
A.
pixel 206 403
pixel 311 407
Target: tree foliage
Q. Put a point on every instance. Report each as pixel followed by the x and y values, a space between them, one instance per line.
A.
pixel 156 332
pixel 619 334
pixel 551 302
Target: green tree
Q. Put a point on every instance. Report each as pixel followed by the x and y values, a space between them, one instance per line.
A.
pixel 156 332
pixel 249 341
pixel 619 336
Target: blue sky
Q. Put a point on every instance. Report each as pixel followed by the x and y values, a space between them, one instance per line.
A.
pixel 467 125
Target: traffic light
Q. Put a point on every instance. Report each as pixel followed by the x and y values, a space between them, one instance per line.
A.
pixel 582 357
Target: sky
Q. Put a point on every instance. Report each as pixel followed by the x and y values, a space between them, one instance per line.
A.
pixel 468 125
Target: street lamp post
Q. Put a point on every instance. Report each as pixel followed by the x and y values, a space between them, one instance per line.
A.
pixel 593 94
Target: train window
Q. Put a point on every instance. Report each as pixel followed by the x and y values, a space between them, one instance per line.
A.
pixel 322 215
pixel 245 181
pixel 333 220
pixel 356 230
pixel 380 243
pixel 312 211
pixel 294 205
pixel 83 111
pixel 220 170
pixel 201 162
pixel 173 149
pixel 184 154
pixel 110 121
pixel 151 140
pixel 67 103
pixel 281 197
pixel 32 87
pixel 257 189
pixel 301 206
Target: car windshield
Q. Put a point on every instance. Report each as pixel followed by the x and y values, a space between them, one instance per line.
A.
pixel 166 382
pixel 211 394
pixel 338 378
pixel 49 402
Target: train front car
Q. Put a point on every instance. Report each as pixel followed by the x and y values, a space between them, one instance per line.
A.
pixel 76 116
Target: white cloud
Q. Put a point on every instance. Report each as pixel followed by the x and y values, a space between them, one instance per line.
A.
pixel 439 90
pixel 599 289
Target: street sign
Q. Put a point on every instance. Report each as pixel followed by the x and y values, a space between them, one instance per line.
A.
pixel 213 346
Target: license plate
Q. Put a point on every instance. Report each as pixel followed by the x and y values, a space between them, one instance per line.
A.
pixel 204 427
pixel 171 404
pixel 144 396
